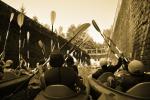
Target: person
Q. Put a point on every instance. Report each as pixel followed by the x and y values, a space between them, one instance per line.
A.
pixel 70 64
pixel 41 66
pixel 56 75
pixel 9 73
pixel 61 75
pixel 8 66
pixel 110 82
pixel 23 70
pixel 34 83
pixel 1 70
pixel 106 68
pixel 134 76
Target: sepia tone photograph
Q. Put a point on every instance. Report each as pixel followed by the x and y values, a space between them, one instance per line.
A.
pixel 74 49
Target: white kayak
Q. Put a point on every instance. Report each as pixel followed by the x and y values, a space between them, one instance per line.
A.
pixel 138 92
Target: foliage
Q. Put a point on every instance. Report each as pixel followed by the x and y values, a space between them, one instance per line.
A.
pixel 35 18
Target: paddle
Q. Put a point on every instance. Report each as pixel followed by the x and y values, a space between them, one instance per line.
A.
pixel 53 17
pixel 6 38
pixel 80 29
pixel 28 53
pixel 104 36
pixel 20 20
pixel 98 29
pixel 42 46
pixel 73 47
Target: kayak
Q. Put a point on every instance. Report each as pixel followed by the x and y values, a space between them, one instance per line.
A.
pixel 138 92
pixel 60 92
pixel 13 85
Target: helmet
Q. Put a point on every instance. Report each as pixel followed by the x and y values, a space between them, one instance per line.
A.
pixel 57 59
pixel 8 63
pixel 70 60
pixel 42 61
pixel 103 61
pixel 136 67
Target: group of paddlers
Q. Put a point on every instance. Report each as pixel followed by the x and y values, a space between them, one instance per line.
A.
pixel 63 71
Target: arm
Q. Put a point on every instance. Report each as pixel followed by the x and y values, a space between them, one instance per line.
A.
pixel 97 73
pixel 79 83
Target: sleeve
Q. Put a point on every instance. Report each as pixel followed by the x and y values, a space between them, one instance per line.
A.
pixel 79 83
pixel 97 73
pixel 118 65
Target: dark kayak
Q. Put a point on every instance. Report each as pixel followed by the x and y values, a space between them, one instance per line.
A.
pixel 10 86
pixel 16 88
pixel 60 92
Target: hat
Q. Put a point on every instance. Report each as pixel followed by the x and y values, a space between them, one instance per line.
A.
pixel 8 63
pixel 136 67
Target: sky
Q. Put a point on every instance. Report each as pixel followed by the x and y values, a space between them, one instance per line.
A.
pixel 71 12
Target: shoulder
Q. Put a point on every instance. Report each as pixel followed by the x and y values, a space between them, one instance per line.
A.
pixel 69 69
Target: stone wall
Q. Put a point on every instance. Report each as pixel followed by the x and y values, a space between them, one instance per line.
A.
pixel 132 30
pixel 140 23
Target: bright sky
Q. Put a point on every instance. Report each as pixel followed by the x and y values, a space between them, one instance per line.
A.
pixel 70 12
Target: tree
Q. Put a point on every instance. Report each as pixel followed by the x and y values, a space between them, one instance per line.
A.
pixel 108 32
pixel 35 18
pixel 80 38
pixel 70 32
pixel 22 10
pixel 60 30
pixel 47 26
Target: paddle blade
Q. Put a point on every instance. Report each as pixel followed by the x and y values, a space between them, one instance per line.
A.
pixel 53 17
pixel 95 26
pixel 40 43
pixel 20 19
pixel 28 35
pixel 11 17
pixel 82 28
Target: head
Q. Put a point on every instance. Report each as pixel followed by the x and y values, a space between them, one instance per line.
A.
pixel 8 63
pixel 57 59
pixel 136 67
pixel 41 62
pixel 70 60
pixel 111 81
pixel 103 63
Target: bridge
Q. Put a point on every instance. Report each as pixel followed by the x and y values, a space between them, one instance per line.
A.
pixel 97 53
